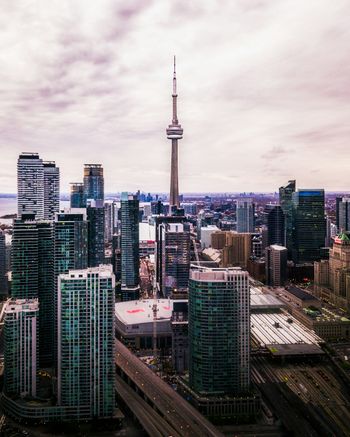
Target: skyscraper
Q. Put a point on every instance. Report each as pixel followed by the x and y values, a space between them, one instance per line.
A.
pixel 33 275
pixel 309 225
pixel 343 214
pixel 176 256
pixel 245 211
pixel 111 220
pixel 21 347
pixel 219 331
pixel 30 185
pixel 174 133
pixel 286 202
pixel 51 190
pixel 77 195
pixel 276 231
pixel 276 265
pixel 130 263
pixel 86 317
pixel 3 269
pixel 96 241
pixel 93 182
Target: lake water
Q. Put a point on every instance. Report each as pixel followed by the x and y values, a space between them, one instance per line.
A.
pixel 8 205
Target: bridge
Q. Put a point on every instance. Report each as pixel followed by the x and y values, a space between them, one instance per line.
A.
pixel 159 408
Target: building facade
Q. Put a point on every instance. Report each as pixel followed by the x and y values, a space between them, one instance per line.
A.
pixel 93 182
pixel 276 230
pixel 130 263
pixel 51 190
pixel 309 225
pixel 219 331
pixel 3 267
pixel 96 239
pixel 343 214
pixel 85 315
pixel 245 214
pixel 276 265
pixel 21 323
pixel 30 185
pixel 77 195
pixel 286 202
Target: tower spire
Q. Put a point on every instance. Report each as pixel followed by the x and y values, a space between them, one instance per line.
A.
pixel 174 133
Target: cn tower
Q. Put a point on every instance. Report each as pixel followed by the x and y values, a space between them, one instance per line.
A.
pixel 174 133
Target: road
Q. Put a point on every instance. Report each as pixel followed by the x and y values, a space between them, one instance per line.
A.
pixel 175 410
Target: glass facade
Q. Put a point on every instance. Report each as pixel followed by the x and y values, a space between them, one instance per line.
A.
pixel 286 202
pixel 309 225
pixel 51 190
pixel 93 182
pixel 77 195
pixel 245 212
pixel 219 331
pixel 96 244
pixel 86 340
pixel 276 231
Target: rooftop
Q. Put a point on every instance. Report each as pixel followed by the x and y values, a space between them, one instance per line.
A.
pixel 300 293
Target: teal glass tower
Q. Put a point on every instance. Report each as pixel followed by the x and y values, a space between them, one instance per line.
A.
pixel 93 182
pixel 85 332
pixel 219 331
pixel 309 225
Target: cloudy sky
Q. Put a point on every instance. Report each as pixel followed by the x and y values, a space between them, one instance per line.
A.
pixel 264 91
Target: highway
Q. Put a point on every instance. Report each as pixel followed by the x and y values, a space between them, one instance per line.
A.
pixel 175 410
pixel 316 392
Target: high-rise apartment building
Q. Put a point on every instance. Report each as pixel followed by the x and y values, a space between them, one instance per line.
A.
pixel 176 257
pixel 309 225
pixel 30 185
pixel 276 230
pixel 237 250
pixel 286 202
pixel 111 220
pixel 245 212
pixel 93 182
pixel 343 214
pixel 3 268
pixel 219 331
pixel 276 265
pixel 77 195
pixel 51 190
pixel 96 239
pixel 85 338
pixel 130 263
pixel 21 348
pixel 33 274
pixel 179 336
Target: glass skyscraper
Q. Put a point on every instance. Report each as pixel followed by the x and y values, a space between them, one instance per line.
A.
pixel 343 214
pixel 3 268
pixel 219 331
pixel 86 372
pixel 286 202
pixel 309 225
pixel 93 182
pixel 245 212
pixel 129 242
pixel 276 231
pixel 77 195
pixel 96 241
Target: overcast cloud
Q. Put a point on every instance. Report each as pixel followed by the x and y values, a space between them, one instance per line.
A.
pixel 264 91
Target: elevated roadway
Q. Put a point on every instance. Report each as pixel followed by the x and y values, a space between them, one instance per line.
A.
pixel 168 404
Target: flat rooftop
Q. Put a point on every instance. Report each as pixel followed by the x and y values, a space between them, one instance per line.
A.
pixel 281 329
pixel 265 301
pixel 300 293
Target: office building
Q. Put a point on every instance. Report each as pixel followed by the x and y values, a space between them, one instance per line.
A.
pixel 286 202
pixel 343 214
pixel 309 225
pixel 86 354
pixel 174 133
pixel 30 185
pixel 219 331
pixel 276 231
pixel 51 190
pixel 130 263
pixel 237 251
pixel 96 227
pixel 21 348
pixel 218 239
pixel 176 257
pixel 3 269
pixel 77 195
pixel 206 233
pixel 245 212
pixel 93 182
pixel 276 265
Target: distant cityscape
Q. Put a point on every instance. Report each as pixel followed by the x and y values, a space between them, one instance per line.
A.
pixel 183 315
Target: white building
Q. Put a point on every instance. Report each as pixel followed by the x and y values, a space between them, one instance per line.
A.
pixel 276 265
pixel 245 210
pixel 206 232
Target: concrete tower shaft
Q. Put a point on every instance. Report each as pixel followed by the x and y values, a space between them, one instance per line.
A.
pixel 174 133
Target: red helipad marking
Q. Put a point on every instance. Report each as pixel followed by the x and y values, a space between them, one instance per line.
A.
pixel 140 310
pixel 167 308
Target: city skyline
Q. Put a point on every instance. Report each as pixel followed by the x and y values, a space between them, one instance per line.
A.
pixel 263 96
